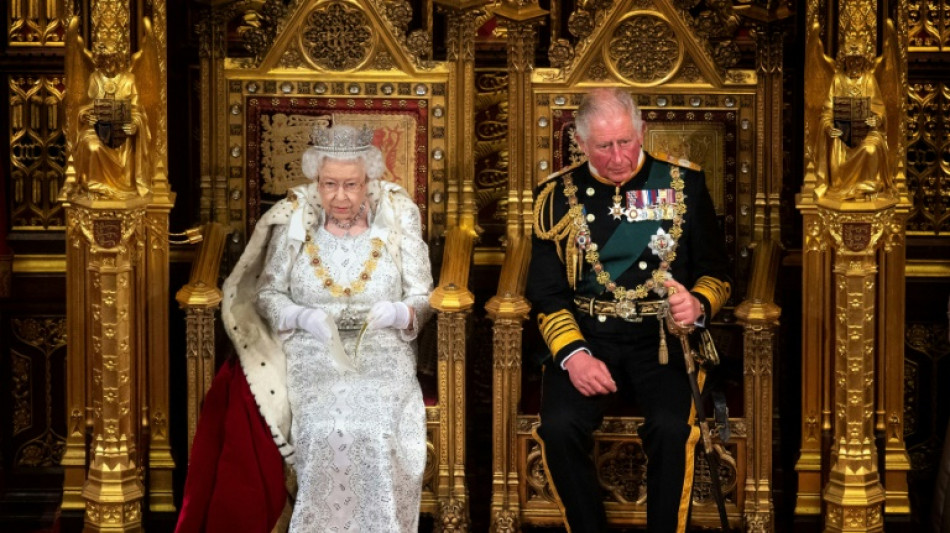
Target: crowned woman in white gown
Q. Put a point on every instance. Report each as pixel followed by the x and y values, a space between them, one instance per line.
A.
pixel 343 287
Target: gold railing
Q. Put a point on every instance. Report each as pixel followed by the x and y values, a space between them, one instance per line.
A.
pixel 453 302
pixel 200 299
pixel 508 309
pixel 758 315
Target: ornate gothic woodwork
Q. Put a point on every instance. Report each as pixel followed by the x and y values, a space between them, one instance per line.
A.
pixel 37 151
pixel 484 130
pixel 854 254
pixel 37 347
pixel 928 179
pixel 34 24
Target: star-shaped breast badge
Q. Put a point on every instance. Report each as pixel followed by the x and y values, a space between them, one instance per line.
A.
pixel 616 211
pixel 661 242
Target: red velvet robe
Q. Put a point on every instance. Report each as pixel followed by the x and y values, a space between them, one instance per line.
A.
pixel 236 474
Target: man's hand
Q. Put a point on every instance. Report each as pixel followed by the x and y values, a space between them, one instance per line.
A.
pixel 834 133
pixel 589 375
pixel 684 307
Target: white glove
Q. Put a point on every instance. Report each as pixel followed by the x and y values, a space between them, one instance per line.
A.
pixel 388 315
pixel 313 321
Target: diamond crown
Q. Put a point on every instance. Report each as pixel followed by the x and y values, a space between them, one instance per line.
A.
pixel 342 138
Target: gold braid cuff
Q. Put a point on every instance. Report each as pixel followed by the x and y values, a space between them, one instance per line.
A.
pixel 716 291
pixel 559 329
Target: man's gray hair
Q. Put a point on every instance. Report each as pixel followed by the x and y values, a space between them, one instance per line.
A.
pixel 342 143
pixel 603 102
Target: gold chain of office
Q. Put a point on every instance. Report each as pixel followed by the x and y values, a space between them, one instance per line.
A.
pixel 667 255
pixel 356 286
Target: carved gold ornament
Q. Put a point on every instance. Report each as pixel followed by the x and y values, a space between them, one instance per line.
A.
pixel 337 37
pixel 581 24
pixel 644 49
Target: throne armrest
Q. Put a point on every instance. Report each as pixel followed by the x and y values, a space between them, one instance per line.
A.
pixel 452 294
pixel 200 299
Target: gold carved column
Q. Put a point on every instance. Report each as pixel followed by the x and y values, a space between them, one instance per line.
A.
pixel 854 495
pixel 854 206
pixel 155 394
pixel 508 308
pixel 200 299
pixel 758 315
pixel 117 199
pixel 111 232
pixel 454 302
pixel 521 18
pixel 460 50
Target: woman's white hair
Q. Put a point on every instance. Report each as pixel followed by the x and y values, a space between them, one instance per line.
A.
pixel 342 143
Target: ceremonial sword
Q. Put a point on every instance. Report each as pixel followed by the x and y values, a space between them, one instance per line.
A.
pixel 709 452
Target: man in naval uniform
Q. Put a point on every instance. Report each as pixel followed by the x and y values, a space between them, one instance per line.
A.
pixel 617 242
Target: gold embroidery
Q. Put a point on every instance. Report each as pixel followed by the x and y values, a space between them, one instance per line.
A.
pixel 559 329
pixel 716 291
pixel 356 286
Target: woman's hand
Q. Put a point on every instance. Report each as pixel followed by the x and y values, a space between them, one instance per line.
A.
pixel 389 315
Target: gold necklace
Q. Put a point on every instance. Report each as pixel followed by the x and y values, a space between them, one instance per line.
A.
pixel 356 286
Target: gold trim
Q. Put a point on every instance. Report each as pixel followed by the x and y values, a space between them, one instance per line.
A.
pixel 716 292
pixel 550 478
pixel 494 256
pixel 690 464
pixel 39 263
pixel 920 268
pixel 681 519
pixel 559 329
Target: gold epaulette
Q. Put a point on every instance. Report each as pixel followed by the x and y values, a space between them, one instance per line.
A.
pixel 680 162
pixel 563 171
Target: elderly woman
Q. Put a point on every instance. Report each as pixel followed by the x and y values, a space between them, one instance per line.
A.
pixel 323 308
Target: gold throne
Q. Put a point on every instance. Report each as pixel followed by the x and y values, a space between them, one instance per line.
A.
pixel 266 98
pixel 696 110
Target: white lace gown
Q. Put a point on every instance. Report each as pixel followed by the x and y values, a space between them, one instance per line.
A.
pixel 360 436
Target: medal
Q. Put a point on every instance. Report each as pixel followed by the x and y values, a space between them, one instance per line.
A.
pixel 616 210
pixel 661 242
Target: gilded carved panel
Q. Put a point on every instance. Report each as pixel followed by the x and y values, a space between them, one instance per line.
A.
pixel 35 23
pixel 928 172
pixel 491 152
pixel 649 42
pixel 621 470
pixel 644 49
pixel 337 36
pixel 929 25
pixel 37 150
pixel 927 361
pixel 36 437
